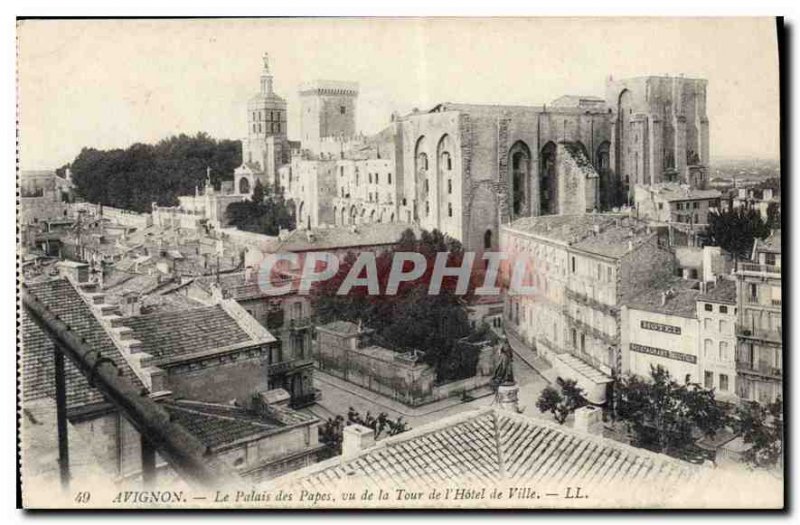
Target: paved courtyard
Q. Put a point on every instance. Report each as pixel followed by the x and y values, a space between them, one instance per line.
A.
pixel 338 395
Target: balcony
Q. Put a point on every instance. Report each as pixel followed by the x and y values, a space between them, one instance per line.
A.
pixel 775 336
pixel 301 323
pixel 759 269
pixel 286 366
pixel 761 369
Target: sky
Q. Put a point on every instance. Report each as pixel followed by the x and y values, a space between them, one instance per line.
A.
pixel 111 83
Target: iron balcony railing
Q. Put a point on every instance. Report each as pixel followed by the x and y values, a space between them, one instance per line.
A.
pixel 759 268
pixel 762 369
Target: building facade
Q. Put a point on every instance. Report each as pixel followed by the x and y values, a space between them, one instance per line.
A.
pixel 582 269
pixel 759 353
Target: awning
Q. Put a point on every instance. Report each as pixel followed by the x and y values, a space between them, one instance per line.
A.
pixel 591 380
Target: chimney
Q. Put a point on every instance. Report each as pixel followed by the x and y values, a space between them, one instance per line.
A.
pixel 76 272
pixel 355 439
pixel 588 419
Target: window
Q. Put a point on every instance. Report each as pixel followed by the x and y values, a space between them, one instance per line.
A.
pixel 389 176
pixel 599 272
pixel 660 205
pixel 709 307
pixel 370 178
pixel 707 324
pixel 573 265
pixel 679 206
pixel 723 309
pixel 708 348
pixel 723 351
pixel 425 186
pixel 574 338
pixel 449 186
pixel 609 273
pixel 723 382
pixel 342 110
pixel 449 209
pixel 723 326
pixel 709 379
pixel 583 343
pixel 695 205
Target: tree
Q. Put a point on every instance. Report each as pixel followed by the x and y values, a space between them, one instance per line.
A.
pixel 411 319
pixel 734 230
pixel 332 431
pixel 773 215
pixel 142 174
pixel 664 415
pixel 265 212
pixel 761 426
pixel 561 402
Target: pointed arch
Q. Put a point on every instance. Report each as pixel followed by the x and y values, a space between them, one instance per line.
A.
pixel 519 163
pixel 548 180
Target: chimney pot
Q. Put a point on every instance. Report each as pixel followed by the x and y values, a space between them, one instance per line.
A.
pixel 355 439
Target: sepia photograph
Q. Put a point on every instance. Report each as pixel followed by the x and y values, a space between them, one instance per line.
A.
pixel 400 263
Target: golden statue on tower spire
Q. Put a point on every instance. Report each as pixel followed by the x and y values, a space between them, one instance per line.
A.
pixel 265 58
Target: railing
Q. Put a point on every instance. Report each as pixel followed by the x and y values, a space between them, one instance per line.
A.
pixel 759 368
pixel 761 333
pixel 300 324
pixel 285 366
pixel 181 449
pixel 759 268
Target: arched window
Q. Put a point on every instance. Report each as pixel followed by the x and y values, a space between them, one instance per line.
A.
pixel 519 159
pixel 548 183
pixel 487 239
pixel 244 186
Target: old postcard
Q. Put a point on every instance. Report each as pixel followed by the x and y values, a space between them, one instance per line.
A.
pixel 406 263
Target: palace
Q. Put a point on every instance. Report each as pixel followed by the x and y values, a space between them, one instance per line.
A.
pixel 468 168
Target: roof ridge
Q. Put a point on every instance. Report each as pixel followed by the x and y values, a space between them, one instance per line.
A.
pixel 501 467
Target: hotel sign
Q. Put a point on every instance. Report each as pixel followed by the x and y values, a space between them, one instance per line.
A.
pixel 658 327
pixel 667 354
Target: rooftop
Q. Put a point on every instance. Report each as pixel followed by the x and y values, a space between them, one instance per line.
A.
pixel 179 333
pixel 606 234
pixel 723 291
pixel 320 84
pixel 61 297
pixel 677 192
pixel 770 244
pixel 681 298
pixel 344 237
pixel 488 447
pixel 345 328
pixel 217 425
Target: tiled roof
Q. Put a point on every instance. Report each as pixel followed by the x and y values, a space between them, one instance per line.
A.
pixel 572 228
pixel 169 334
pixel 37 350
pixel 607 234
pixel 723 291
pixel 491 446
pixel 216 425
pixel 676 192
pixel 345 237
pixel 213 428
pixel 770 244
pixel 681 302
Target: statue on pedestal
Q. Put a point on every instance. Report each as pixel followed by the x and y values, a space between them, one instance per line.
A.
pixel 504 370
